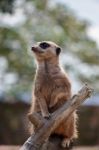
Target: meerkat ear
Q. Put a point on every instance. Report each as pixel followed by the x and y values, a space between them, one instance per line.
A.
pixel 58 50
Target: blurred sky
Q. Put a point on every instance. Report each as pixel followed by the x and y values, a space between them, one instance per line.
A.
pixel 87 10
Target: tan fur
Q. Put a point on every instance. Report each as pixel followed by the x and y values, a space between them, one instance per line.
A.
pixel 52 89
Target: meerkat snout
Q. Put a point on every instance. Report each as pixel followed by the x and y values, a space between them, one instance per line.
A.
pixel 36 49
pixel 33 48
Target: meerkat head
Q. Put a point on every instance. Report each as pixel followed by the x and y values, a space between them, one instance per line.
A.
pixel 46 50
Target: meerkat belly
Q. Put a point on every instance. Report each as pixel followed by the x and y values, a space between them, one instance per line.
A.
pixel 60 99
pixel 53 93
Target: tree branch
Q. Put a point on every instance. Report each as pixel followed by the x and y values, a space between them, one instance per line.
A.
pixel 46 127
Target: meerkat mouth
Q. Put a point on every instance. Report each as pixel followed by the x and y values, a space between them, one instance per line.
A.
pixel 36 50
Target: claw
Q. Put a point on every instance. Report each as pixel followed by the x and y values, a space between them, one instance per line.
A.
pixel 66 143
pixel 47 116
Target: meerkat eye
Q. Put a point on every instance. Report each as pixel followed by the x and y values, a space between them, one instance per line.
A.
pixel 44 45
pixel 58 50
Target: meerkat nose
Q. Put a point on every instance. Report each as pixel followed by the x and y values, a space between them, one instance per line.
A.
pixel 33 48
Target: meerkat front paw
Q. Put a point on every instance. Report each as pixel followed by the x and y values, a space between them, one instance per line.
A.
pixel 47 116
pixel 67 143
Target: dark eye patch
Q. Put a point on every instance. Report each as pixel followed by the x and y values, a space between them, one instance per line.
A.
pixel 44 45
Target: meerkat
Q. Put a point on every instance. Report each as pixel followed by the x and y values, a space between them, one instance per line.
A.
pixel 52 88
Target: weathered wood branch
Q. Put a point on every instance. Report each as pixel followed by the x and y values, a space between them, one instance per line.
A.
pixel 38 140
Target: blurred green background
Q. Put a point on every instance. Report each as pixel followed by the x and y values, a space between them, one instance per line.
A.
pixel 32 21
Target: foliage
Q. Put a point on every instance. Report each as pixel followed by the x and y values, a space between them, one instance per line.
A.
pixel 6 6
pixel 46 20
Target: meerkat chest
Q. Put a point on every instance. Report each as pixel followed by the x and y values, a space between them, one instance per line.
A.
pixel 45 85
